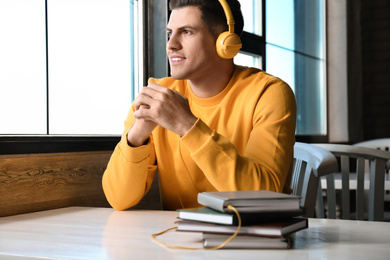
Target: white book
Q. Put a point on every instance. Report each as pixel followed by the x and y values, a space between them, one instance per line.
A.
pixel 246 242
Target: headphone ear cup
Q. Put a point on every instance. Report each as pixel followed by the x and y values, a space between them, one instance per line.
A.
pixel 228 45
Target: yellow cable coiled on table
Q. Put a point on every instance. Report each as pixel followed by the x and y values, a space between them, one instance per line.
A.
pixel 194 248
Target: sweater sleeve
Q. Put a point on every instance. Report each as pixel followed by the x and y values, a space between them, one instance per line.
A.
pixel 130 172
pixel 267 159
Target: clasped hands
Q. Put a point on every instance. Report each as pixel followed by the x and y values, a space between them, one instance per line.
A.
pixel 158 105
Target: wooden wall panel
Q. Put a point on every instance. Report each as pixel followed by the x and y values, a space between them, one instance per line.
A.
pixel 34 182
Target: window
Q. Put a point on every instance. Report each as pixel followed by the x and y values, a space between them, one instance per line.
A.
pixel 89 66
pixel 22 67
pixel 69 69
pixel 295 51
pixel 67 66
pixel 287 40
pixel 253 35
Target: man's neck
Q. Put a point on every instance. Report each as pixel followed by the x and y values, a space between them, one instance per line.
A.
pixel 215 82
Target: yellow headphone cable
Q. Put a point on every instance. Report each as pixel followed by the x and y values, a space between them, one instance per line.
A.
pixel 195 248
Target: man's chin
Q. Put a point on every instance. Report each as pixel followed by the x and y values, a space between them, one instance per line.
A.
pixel 177 76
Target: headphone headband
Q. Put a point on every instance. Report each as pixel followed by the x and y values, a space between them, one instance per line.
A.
pixel 228 43
pixel 228 14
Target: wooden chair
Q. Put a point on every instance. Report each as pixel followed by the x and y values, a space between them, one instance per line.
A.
pixel 310 163
pixel 373 182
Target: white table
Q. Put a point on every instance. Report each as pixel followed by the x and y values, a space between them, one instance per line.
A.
pixel 102 233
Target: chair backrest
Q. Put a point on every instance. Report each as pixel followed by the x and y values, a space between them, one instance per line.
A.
pixel 310 163
pixel 380 144
pixel 377 160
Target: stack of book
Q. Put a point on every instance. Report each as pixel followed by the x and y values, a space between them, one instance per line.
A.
pixel 268 219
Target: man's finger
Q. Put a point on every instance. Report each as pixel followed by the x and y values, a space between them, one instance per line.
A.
pixel 143 100
pixel 143 113
pixel 156 87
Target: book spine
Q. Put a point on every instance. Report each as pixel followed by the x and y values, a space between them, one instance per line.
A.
pixel 211 202
pixel 247 243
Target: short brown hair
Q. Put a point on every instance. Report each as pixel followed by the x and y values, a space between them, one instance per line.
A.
pixel 213 14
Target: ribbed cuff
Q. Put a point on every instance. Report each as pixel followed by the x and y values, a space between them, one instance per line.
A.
pixel 196 136
pixel 134 154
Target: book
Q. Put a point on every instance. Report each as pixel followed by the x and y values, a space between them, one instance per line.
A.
pixel 246 242
pixel 269 229
pixel 249 201
pixel 206 214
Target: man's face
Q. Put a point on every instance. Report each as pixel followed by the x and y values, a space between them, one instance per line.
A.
pixel 191 47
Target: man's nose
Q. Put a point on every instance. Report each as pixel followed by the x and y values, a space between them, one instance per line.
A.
pixel 173 42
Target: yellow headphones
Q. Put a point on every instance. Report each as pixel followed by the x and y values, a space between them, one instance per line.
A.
pixel 228 43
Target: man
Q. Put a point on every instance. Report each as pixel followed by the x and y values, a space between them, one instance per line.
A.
pixel 211 126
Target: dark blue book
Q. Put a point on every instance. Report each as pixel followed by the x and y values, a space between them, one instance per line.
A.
pixel 206 214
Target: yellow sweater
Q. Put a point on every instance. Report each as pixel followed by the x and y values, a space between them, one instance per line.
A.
pixel 243 140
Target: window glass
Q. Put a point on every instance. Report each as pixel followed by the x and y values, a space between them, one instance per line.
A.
pixel 252 20
pixel 280 63
pixel 89 66
pixel 22 67
pixel 253 25
pixel 295 52
pixel 310 95
pixel 80 78
pixel 248 60
pixel 280 23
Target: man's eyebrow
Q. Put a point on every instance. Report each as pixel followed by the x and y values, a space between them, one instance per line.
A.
pixel 185 27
